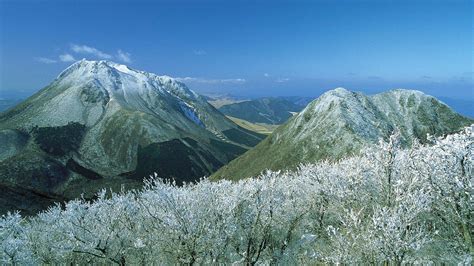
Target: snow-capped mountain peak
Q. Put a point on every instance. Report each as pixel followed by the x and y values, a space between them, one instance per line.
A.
pixel 124 124
pixel 88 90
pixel 113 76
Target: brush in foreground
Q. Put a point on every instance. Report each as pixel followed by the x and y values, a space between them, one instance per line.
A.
pixel 388 205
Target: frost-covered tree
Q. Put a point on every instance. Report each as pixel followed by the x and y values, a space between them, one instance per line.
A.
pixel 14 240
pixel 387 205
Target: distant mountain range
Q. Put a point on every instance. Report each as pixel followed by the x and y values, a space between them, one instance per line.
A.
pixel 273 110
pixel 8 103
pixel 102 124
pixel 462 106
pixel 270 110
pixel 220 100
pixel 261 128
pixel 301 101
pixel 340 123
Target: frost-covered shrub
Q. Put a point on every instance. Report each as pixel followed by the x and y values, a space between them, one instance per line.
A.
pixel 388 205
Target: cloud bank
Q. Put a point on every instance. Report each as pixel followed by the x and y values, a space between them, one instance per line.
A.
pixel 67 58
pixel 124 56
pixel 45 60
pixel 84 49
pixel 90 51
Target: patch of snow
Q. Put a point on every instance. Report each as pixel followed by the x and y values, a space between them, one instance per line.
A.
pixel 113 75
pixel 190 113
pixel 78 89
pixel 124 69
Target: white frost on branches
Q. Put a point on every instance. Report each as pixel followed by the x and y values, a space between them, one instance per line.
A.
pixel 388 205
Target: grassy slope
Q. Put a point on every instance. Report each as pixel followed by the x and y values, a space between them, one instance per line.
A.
pixel 274 153
pixel 279 152
pixel 256 127
pixel 265 110
pixel 218 103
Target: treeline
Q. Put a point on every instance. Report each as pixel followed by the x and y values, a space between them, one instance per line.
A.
pixel 388 205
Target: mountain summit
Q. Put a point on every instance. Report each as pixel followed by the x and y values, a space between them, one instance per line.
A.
pixel 102 124
pixel 341 122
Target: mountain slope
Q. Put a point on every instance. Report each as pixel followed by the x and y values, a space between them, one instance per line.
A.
pixel 101 124
pixel 261 128
pixel 301 101
pixel 218 100
pixel 264 110
pixel 341 122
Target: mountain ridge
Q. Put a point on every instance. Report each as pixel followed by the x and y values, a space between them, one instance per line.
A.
pixel 340 123
pixel 268 110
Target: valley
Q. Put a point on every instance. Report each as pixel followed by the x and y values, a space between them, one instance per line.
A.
pixel 119 126
pixel 105 143
pixel 261 128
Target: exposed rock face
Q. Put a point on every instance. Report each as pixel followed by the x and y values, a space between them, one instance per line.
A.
pixel 101 124
pixel 341 122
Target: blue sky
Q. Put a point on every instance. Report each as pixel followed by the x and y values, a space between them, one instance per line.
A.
pixel 247 48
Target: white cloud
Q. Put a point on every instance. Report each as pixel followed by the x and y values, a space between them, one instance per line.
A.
pixel 212 81
pixel 199 52
pixel 84 49
pixel 45 60
pixel 281 80
pixel 67 58
pixel 124 56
